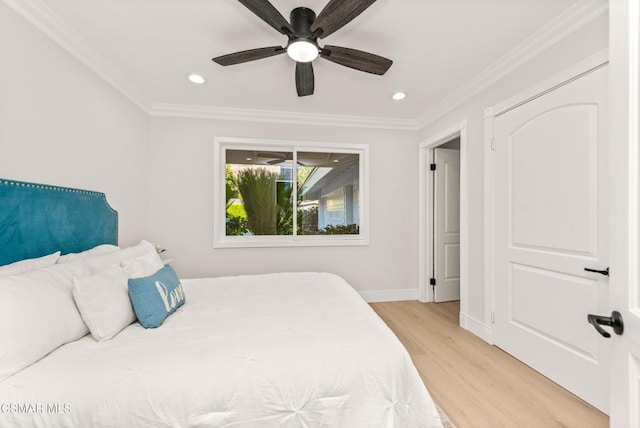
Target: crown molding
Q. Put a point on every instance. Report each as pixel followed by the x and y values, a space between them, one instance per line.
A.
pixel 285 117
pixel 43 18
pixel 575 17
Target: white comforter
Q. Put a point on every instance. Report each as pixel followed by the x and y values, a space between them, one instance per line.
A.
pixel 277 350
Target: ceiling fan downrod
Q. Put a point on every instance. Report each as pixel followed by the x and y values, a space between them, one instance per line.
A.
pixel 301 19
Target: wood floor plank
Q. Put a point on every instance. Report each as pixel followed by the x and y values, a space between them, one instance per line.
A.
pixel 479 385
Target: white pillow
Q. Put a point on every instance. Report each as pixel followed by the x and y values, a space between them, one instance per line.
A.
pixel 30 264
pixel 38 315
pixel 100 249
pixel 145 265
pixel 103 301
pixel 103 261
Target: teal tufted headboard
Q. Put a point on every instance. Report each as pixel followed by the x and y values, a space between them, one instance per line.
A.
pixel 39 219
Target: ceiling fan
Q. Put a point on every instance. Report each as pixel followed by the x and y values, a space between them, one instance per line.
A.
pixel 277 158
pixel 303 33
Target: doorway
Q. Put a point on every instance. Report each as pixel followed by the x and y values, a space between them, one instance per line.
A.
pixel 443 217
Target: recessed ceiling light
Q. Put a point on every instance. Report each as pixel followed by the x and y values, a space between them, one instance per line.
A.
pixel 248 159
pixel 336 160
pixel 196 78
pixel 397 96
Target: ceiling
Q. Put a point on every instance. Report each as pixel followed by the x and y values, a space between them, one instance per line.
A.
pixel 437 46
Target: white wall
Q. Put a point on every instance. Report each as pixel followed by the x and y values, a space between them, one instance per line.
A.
pixel 61 124
pixel 580 45
pixel 181 205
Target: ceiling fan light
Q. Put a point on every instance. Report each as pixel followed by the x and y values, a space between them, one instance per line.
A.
pixel 302 51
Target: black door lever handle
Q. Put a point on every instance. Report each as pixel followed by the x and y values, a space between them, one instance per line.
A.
pixel 615 321
pixel 601 272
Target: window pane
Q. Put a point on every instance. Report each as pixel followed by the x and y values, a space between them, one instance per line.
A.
pixel 328 193
pixel 259 191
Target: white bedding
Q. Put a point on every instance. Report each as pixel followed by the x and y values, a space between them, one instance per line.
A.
pixel 277 350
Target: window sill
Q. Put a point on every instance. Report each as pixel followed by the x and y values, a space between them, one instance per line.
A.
pixel 307 241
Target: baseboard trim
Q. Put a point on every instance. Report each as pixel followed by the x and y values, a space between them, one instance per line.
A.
pixel 374 296
pixel 476 327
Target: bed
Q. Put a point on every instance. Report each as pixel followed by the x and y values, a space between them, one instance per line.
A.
pixel 272 350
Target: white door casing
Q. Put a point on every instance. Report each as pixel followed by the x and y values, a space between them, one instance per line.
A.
pixel 425 226
pixel 550 221
pixel 446 228
pixel 624 39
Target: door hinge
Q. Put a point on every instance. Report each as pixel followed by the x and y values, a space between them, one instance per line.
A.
pixel 433 167
pixel 432 281
pixel 493 144
pixel 493 317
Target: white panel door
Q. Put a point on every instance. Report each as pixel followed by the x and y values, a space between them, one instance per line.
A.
pixel 551 222
pixel 625 212
pixel 446 206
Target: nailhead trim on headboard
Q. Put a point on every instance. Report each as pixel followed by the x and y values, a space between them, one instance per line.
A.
pixel 17 230
pixel 57 188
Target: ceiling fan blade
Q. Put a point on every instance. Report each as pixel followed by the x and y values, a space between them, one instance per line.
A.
pixel 279 161
pixel 305 81
pixel 269 14
pixel 359 60
pixel 249 55
pixel 336 14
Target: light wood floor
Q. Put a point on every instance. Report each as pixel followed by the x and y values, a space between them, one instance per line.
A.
pixel 476 384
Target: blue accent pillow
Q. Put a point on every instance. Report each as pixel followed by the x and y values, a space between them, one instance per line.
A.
pixel 156 297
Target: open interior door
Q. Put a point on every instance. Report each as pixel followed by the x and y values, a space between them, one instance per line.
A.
pixel 446 228
pixel 624 53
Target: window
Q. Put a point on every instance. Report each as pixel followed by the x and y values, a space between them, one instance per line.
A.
pixel 274 193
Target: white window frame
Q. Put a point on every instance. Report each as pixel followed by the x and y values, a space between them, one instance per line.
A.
pixel 220 240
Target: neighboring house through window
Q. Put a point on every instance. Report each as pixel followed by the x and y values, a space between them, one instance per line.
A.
pixel 275 193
